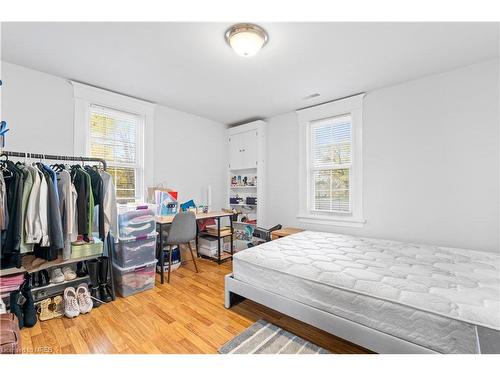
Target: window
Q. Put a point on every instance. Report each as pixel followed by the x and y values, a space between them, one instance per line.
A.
pixel 113 127
pixel 116 137
pixel 330 163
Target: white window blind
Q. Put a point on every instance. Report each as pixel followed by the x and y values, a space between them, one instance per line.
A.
pixel 116 137
pixel 330 164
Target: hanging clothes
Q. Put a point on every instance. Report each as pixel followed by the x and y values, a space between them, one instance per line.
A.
pixel 85 201
pixel 54 219
pixel 109 205
pixel 98 194
pixel 28 185
pixel 11 236
pixel 67 207
pixel 4 216
pixel 33 220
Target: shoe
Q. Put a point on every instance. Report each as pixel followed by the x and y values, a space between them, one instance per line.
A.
pixel 71 309
pixel 45 310
pixel 80 270
pixel 16 302
pixel 3 308
pixel 68 273
pixel 29 310
pixel 103 279
pixel 44 278
pixel 58 306
pixel 93 269
pixel 84 300
pixel 34 280
pixel 57 276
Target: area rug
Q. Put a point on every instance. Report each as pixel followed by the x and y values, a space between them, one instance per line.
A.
pixel 266 338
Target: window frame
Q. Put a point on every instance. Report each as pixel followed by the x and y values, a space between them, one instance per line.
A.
pixel 85 96
pixel 307 119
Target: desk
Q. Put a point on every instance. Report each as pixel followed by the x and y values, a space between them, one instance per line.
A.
pixel 162 221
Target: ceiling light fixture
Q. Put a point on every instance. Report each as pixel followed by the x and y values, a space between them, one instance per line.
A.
pixel 246 39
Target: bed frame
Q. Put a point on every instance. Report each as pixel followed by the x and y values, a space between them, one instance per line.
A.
pixel 356 333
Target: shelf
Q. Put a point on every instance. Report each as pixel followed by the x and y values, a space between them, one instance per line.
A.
pixel 202 234
pixel 27 259
pixel 243 187
pixel 243 169
pixel 11 271
pixel 242 205
pixel 51 285
pixel 243 223
pixel 223 256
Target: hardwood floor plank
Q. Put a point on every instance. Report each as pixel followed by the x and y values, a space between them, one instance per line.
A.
pixel 185 316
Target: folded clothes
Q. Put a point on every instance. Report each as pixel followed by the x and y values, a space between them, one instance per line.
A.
pixel 11 282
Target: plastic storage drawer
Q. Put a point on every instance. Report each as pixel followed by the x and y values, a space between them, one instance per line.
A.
pixel 138 223
pixel 132 252
pixel 133 280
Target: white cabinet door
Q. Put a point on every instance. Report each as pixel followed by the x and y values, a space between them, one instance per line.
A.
pixel 250 149
pixel 235 151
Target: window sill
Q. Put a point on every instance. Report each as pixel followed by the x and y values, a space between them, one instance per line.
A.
pixel 336 221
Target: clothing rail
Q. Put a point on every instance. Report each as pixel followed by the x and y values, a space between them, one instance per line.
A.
pixel 54 157
pixel 108 239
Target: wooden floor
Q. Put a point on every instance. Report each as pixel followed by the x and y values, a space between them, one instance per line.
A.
pixel 185 316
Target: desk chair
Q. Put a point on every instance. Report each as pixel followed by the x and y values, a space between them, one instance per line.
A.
pixel 182 231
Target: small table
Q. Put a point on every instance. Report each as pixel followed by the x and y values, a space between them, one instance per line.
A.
pixel 284 232
pixel 162 221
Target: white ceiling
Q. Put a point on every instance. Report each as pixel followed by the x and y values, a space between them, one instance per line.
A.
pixel 188 66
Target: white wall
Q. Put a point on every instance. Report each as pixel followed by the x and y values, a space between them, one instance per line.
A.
pixel 189 151
pixel 38 108
pixel 431 161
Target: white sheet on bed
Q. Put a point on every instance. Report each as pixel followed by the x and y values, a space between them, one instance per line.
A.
pixel 428 295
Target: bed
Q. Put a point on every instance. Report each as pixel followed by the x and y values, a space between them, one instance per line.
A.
pixel 387 296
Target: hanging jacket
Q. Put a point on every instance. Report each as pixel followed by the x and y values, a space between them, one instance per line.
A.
pixel 54 222
pixel 67 207
pixel 98 195
pixel 27 188
pixel 33 221
pixel 109 205
pixel 11 237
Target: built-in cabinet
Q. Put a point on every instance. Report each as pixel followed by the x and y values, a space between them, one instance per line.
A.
pixel 243 150
pixel 246 178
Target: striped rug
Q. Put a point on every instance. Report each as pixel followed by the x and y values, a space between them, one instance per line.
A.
pixel 266 338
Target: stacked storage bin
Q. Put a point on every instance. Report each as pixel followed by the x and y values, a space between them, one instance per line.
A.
pixel 135 254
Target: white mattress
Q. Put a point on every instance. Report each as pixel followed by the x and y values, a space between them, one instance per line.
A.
pixel 432 296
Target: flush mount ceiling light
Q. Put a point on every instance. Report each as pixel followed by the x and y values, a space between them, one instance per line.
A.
pixel 246 39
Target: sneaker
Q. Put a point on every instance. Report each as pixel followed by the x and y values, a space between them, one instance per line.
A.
pixel 84 300
pixel 3 308
pixel 57 276
pixel 45 310
pixel 68 273
pixel 58 304
pixel 71 309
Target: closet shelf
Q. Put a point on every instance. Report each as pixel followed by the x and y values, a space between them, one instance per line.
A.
pixel 28 259
pixel 51 285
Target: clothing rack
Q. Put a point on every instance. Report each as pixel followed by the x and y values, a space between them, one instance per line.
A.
pixel 108 240
pixel 54 157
